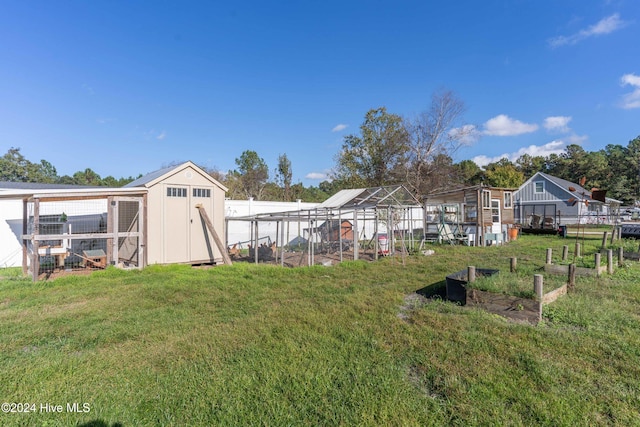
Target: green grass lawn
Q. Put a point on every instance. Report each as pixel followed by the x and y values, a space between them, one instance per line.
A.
pixel 341 345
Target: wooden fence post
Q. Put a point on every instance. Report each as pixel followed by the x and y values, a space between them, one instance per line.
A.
pixel 471 274
pixel 572 276
pixel 565 252
pixel 577 252
pixel 514 264
pixel 610 261
pixel 604 239
pixel 549 255
pixel 620 256
pixel 597 260
pixel 538 286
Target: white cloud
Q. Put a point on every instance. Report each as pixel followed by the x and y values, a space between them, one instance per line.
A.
pixel 553 147
pixel 316 176
pixel 162 135
pixel 467 134
pixel 557 124
pixel 631 99
pixel 339 127
pixel 604 26
pixel 503 125
pixel 576 139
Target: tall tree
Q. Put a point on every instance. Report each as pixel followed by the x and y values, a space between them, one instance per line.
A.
pixel 252 174
pixel 504 174
pixel 633 153
pixel 16 168
pixel 433 134
pixel 529 165
pixel 87 177
pixel 283 177
pixel 375 156
pixel 468 173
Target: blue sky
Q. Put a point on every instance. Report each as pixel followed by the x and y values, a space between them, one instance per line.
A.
pixel 127 87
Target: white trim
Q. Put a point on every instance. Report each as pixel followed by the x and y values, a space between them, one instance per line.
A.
pixel 504 200
pixel 181 168
pixel 486 196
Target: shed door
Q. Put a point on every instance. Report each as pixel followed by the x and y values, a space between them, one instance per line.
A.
pixel 202 243
pixel 175 228
pixel 496 220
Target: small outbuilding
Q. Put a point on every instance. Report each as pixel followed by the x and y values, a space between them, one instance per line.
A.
pixel 480 213
pixel 173 215
pixel 176 229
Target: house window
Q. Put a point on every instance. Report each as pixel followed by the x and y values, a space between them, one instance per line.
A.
pixel 539 187
pixel 176 192
pixel 470 213
pixel 508 200
pixel 201 192
pixel 486 199
pixel 495 211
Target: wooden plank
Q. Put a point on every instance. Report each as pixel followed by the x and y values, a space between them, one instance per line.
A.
pixel 39 237
pixel 143 227
pixel 580 271
pixel 25 252
pixel 35 262
pixel 115 211
pixel 216 238
pixel 550 297
pixel 110 228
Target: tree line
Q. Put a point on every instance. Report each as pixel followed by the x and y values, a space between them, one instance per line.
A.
pixel 14 167
pixel 251 178
pixel 416 152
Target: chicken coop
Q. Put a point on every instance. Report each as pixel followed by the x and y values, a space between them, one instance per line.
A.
pixel 70 229
pixel 173 215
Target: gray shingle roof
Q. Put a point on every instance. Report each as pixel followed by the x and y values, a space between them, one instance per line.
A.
pixel 8 185
pixel 140 182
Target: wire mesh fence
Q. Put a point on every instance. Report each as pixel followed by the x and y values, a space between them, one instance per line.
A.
pixel 83 234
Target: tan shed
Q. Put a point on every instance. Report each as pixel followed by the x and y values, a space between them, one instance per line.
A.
pixel 176 231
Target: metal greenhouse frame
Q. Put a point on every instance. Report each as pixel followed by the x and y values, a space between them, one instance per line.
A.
pixel 367 219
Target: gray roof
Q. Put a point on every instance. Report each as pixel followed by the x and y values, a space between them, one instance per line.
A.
pixel 8 185
pixel 579 193
pixel 143 180
pixel 564 184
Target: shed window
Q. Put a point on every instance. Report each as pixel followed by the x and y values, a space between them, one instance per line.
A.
pixel 508 200
pixel 486 199
pixel 539 187
pixel 201 192
pixel 176 192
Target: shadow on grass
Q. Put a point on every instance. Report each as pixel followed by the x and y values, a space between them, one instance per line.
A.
pixel 434 290
pixel 99 423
